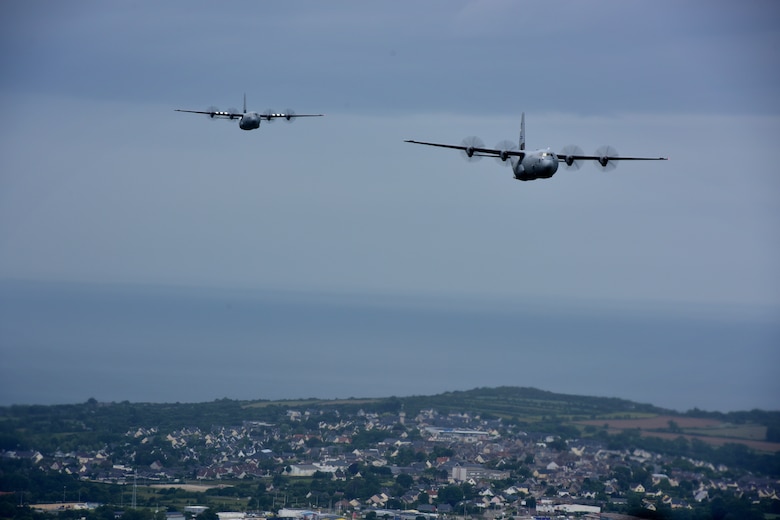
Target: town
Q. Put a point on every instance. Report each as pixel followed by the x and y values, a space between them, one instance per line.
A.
pixel 323 461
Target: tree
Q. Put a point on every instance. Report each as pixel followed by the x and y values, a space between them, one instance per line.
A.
pixel 642 476
pixel 141 514
pixel 406 456
pixel 395 503
pixel 558 445
pixel 208 514
pixel 103 513
pixel 595 486
pixel 450 494
pixel 404 480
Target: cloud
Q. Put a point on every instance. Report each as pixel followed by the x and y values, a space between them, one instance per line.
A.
pixel 479 57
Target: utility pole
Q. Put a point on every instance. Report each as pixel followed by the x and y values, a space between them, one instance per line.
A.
pixel 135 474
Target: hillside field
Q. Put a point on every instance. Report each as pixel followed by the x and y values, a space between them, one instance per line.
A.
pixel 710 431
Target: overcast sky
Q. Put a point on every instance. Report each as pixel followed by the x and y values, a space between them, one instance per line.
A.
pixel 102 181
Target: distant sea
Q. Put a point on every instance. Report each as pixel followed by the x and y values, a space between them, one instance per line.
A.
pixel 68 342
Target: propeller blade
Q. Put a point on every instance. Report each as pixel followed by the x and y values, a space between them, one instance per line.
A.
pixel 506 146
pixel 606 155
pixel 567 154
pixel 289 115
pixel 470 143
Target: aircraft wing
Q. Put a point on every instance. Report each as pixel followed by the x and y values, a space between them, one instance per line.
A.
pixel 475 151
pixel 238 115
pixel 214 113
pixel 562 158
pixel 287 116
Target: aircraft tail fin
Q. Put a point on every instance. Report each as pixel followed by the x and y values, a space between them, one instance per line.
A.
pixel 245 102
pixel 522 131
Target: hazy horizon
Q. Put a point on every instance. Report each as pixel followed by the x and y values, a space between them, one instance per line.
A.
pixel 118 342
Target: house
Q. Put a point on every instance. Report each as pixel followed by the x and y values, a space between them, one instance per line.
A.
pixel 444 508
pixel 659 477
pixel 378 500
pixel 678 503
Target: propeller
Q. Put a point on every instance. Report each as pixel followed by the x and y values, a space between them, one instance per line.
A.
pixel 505 146
pixel 289 115
pixel 568 152
pixel 267 115
pixel 233 111
pixel 470 143
pixel 213 111
pixel 606 153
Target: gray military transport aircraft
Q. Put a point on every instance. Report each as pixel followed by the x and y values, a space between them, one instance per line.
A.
pixel 536 164
pixel 248 120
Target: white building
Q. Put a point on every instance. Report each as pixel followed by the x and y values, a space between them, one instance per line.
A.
pixel 567 508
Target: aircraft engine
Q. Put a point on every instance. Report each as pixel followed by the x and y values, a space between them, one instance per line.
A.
pixel 568 153
pixel 607 155
pixel 470 143
pixel 504 147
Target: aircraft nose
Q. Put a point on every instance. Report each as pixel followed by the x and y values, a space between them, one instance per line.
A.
pixel 551 164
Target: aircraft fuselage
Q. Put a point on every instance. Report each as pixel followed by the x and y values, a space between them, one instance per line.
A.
pixel 249 121
pixel 539 164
